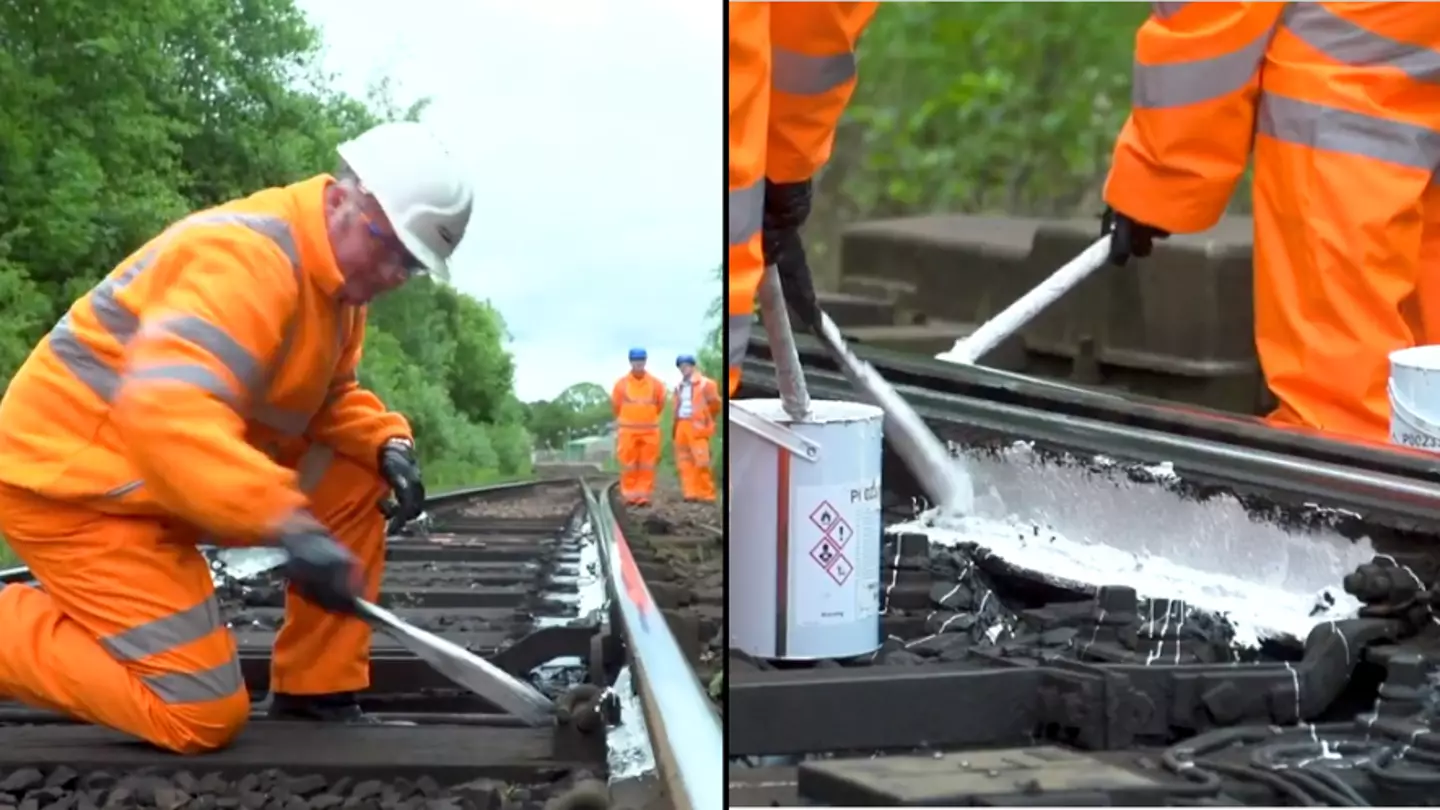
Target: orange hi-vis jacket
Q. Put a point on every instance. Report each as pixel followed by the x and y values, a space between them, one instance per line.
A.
pixel 1337 108
pixel 705 404
pixel 157 391
pixel 791 70
pixel 638 402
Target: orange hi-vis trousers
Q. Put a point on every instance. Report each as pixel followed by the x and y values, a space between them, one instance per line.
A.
pixel 637 450
pixel 692 461
pixel 127 631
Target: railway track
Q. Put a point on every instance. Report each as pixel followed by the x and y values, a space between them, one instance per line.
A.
pixel 999 682
pixel 531 576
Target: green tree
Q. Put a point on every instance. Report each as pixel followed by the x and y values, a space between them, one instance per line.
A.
pixel 121 117
pixel 1002 108
pixel 711 356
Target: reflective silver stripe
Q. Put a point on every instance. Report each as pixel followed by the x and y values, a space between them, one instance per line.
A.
pixel 1321 127
pixel 164 633
pixel 1165 11
pixel 803 75
pixel 237 359
pixel 123 325
pixel 196 687
pixel 737 338
pixel 82 362
pixel 189 374
pixel 745 211
pixel 285 421
pixel 1346 42
pixel 637 424
pixel 1178 84
pixel 313 465
pixel 123 489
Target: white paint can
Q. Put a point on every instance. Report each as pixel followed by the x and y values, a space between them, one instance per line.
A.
pixel 803 577
pixel 1415 397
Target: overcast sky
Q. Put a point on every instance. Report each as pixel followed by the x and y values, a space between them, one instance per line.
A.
pixel 592 131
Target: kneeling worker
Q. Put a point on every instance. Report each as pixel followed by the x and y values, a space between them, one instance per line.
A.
pixel 205 392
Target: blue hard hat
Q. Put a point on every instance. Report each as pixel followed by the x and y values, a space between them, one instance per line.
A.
pixel 685 358
pixel 637 354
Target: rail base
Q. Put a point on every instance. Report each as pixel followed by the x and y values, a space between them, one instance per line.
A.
pixel 441 752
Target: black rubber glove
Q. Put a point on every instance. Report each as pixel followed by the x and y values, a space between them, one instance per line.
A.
pixel 1128 237
pixel 401 470
pixel 787 206
pixel 324 571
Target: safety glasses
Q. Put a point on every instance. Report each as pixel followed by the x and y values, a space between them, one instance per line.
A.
pixel 387 239
pixel 393 245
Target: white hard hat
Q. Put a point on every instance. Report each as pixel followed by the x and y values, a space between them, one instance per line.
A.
pixel 418 184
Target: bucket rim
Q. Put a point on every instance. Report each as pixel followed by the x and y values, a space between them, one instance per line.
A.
pixel 822 411
pixel 1417 358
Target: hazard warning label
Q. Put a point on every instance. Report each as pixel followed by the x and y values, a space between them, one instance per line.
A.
pixel 839 574
pixel 825 554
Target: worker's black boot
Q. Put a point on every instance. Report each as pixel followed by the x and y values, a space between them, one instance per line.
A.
pixel 336 707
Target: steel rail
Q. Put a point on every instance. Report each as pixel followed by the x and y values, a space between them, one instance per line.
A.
pixel 1135 410
pixel 1383 497
pixel 684 729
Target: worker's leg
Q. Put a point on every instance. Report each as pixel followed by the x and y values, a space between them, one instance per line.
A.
pixel 627 455
pixel 1337 250
pixel 749 75
pixel 648 453
pixel 681 451
pixel 317 653
pixel 1428 287
pixel 690 473
pixel 126 632
pixel 704 479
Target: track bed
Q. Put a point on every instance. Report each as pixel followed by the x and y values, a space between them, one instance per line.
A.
pixel 995 685
pixel 496 571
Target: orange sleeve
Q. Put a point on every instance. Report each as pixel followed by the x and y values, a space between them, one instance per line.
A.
pixel 203 347
pixel 712 398
pixel 812 79
pixel 1192 120
pixel 617 396
pixel 660 392
pixel 353 420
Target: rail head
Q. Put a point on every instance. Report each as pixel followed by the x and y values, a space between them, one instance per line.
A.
pixel 685 730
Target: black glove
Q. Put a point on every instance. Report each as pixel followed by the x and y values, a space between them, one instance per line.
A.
pixel 1128 237
pixel 797 283
pixel 324 571
pixel 402 471
pixel 787 206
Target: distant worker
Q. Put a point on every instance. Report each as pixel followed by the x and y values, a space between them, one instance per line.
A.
pixel 1344 126
pixel 638 399
pixel 205 392
pixel 791 73
pixel 696 406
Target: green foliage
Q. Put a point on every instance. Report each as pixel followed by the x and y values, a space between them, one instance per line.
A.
pixel 584 409
pixel 580 411
pixel 1000 108
pixel 121 117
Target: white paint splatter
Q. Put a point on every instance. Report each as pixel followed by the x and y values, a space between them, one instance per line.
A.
pixel 1087 523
